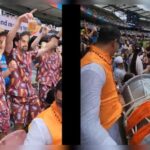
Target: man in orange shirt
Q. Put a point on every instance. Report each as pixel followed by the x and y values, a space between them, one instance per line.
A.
pixel 46 128
pixel 100 103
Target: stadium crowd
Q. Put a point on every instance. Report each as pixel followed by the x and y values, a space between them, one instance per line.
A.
pixel 22 106
pixel 133 52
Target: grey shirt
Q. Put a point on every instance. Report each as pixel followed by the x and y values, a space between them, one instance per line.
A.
pixel 92 132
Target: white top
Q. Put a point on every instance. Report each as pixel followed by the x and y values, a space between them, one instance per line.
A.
pixel 139 64
pixel 38 133
pixel 119 75
pixel 92 132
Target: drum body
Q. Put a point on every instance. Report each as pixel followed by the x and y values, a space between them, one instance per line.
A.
pixel 136 94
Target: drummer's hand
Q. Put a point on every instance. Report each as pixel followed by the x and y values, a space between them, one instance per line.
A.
pixel 122 99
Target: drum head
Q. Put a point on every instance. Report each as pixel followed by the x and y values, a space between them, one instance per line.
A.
pixel 146 140
pixel 136 90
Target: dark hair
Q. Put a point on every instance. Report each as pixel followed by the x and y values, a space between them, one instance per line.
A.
pixel 24 33
pixel 53 36
pixel 60 43
pixel 3 33
pixel 16 39
pixel 148 48
pixel 50 96
pixel 136 51
pixel 59 86
pixel 44 39
pixel 148 56
pixel 31 41
pixel 127 77
pixel 51 93
pixel 107 34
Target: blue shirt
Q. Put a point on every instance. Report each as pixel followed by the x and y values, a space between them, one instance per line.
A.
pixel 94 39
pixel 3 66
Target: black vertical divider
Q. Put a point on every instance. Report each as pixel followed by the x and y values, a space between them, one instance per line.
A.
pixel 71 74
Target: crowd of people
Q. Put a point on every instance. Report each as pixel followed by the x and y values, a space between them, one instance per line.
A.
pixel 35 110
pixel 133 52
pixel 107 63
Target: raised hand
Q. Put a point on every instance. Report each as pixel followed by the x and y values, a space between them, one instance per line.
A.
pixel 44 30
pixel 27 16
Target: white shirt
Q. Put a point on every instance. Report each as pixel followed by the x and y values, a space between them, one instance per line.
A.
pixel 139 64
pixel 92 132
pixel 38 133
pixel 119 74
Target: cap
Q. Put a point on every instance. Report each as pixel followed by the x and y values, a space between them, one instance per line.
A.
pixel 118 60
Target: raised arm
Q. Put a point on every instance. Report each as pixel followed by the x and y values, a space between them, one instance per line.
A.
pixel 52 44
pixel 41 35
pixel 12 33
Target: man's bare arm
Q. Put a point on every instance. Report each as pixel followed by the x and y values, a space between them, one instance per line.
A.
pixel 41 35
pixel 12 33
pixel 52 44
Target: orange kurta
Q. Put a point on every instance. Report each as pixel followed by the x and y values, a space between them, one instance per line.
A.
pixel 110 108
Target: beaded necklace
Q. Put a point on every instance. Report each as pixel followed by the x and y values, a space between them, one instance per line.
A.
pixel 56 115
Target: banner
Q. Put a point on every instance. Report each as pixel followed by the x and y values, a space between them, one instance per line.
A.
pixel 8 22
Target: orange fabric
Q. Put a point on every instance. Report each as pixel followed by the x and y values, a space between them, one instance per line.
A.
pixel 138 115
pixel 140 134
pixel 49 116
pixel 110 108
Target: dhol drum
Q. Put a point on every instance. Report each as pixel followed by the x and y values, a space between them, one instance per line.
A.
pixel 136 94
